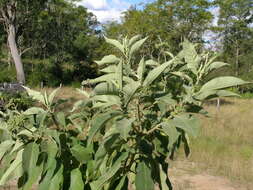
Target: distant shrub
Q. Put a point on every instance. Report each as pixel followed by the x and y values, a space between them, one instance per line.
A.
pixel 7 74
pixel 15 101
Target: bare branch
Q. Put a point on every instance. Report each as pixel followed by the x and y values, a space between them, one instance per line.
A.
pixel 24 51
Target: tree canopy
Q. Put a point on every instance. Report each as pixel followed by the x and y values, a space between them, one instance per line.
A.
pixel 58 41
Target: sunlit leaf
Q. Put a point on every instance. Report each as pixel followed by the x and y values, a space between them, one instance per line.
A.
pixel 143 180
pixel 221 83
pixel 115 43
pixel 76 181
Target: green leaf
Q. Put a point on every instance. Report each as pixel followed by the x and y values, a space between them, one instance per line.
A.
pixel 103 78
pixel 189 124
pixel 170 130
pixel 170 54
pixel 14 165
pixel 121 183
pixel 216 65
pixel 108 59
pixel 57 181
pixel 106 101
pixel 124 126
pixel 34 111
pixel 36 95
pixel 83 92
pixel 136 46
pixel 80 104
pixel 76 180
pixel 61 118
pixel 120 75
pixel 106 88
pixel 110 69
pixel 215 93
pixel 205 94
pixel 221 83
pixel 52 96
pixel 82 154
pixel 141 70
pixel 129 91
pixel 115 43
pixel 183 76
pixel 133 40
pixel 98 184
pixel 99 121
pixel 31 169
pixel 5 146
pixel 156 72
pixel 49 171
pixel 143 180
pixel 226 93
pixel 191 56
pixel 51 149
pixel 151 62
pixel 17 146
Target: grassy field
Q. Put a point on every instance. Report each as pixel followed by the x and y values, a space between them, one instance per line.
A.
pixel 225 146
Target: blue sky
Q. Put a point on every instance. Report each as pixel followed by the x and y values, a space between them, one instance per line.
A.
pixel 109 10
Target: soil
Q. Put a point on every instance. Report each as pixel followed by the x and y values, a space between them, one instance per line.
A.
pixel 192 180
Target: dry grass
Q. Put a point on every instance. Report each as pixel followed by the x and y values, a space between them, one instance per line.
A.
pixel 225 146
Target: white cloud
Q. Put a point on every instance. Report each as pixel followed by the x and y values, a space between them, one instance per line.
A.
pixel 106 10
pixel 94 4
pixel 107 15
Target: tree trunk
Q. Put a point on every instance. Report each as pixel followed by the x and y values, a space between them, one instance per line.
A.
pixel 237 60
pixel 15 54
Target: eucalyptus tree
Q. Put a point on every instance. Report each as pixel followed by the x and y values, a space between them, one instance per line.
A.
pixel 14 14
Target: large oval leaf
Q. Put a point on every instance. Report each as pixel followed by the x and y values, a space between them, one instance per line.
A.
pixel 14 165
pixel 76 182
pixel 170 130
pixel 106 88
pixel 108 59
pixel 136 46
pixel 115 43
pixel 5 146
pixel 99 121
pixel 30 167
pixel 82 154
pixel 155 73
pixel 189 124
pixel 143 180
pixel 97 185
pixel 221 83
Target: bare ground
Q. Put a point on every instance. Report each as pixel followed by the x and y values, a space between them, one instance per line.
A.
pixel 192 180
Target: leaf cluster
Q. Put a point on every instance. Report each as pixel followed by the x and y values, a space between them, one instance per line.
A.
pixel 123 133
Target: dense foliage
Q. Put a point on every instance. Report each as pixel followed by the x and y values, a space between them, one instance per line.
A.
pixel 55 39
pixel 123 133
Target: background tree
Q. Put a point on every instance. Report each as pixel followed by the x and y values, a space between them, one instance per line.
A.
pixel 56 39
pixel 166 20
pixel 235 30
pixel 14 15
